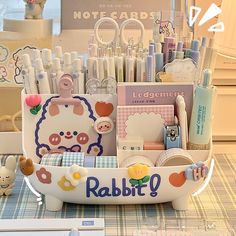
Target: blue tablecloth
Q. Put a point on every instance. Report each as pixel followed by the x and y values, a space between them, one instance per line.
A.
pixel 218 201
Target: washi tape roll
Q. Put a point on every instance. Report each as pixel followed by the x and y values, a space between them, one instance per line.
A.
pixel 174 157
pixel 136 159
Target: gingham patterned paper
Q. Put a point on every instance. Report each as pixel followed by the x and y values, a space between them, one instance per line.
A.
pixel 51 159
pixel 71 158
pixel 216 202
pixel 106 162
pixel 123 113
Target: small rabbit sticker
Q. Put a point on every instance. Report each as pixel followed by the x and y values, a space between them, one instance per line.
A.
pixel 7 176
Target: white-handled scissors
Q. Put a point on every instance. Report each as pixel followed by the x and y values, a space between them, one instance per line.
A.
pixel 119 36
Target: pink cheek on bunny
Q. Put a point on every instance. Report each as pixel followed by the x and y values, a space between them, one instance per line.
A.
pixel 54 139
pixel 82 138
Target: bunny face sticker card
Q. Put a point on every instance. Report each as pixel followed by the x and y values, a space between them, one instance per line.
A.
pixel 71 127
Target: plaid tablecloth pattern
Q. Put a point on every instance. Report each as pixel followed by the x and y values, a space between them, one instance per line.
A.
pixel 106 162
pixel 71 158
pixel 218 201
pixel 51 159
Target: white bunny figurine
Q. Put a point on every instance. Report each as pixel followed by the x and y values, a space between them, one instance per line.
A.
pixel 34 9
pixel 7 176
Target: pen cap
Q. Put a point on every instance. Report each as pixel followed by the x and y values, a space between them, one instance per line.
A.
pixel 195 45
pixel 180 46
pixel 39 64
pixel 46 55
pixel 207 78
pixel 56 64
pixel 58 52
pixel 26 60
pixel 162 38
pixel 159 48
pixel 67 58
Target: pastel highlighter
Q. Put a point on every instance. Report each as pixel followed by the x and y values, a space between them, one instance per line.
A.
pixel 180 52
pixel 169 47
pixel 195 53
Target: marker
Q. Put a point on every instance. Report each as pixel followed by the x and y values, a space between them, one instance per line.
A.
pixel 92 65
pixel 210 56
pixel 111 61
pixel 42 77
pixel 194 53
pixel 168 48
pixel 202 54
pixel 119 65
pixel 47 64
pixel 179 52
pixel 100 65
pixel 29 76
pixel 59 54
pixel 36 55
pixel 74 55
pixel 151 52
pixel 57 74
pixel 67 63
pixel 149 69
pixel 159 58
pixel 78 77
pixel 129 66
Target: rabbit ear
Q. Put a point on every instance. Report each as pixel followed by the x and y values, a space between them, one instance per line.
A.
pixel 11 163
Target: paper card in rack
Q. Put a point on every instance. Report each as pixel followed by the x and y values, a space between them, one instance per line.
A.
pixel 146 122
pixel 132 94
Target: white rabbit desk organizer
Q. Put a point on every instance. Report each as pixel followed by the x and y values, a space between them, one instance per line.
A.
pixel 7 176
pixel 34 9
pixel 69 123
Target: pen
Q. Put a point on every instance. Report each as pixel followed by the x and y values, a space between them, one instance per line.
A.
pixel 119 65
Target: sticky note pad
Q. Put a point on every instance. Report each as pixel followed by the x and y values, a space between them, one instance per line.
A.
pixel 89 161
pixel 54 159
pixel 106 162
pixel 71 158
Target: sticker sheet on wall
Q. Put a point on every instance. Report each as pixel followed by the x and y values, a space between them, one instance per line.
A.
pixel 12 47
pixel 85 125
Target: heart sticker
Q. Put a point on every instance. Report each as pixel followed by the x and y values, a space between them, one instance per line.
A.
pixel 103 108
pixel 177 180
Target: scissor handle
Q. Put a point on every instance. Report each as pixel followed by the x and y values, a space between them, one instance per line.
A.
pixel 102 21
pixel 124 24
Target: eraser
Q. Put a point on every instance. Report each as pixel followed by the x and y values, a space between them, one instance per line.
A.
pixel 153 146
